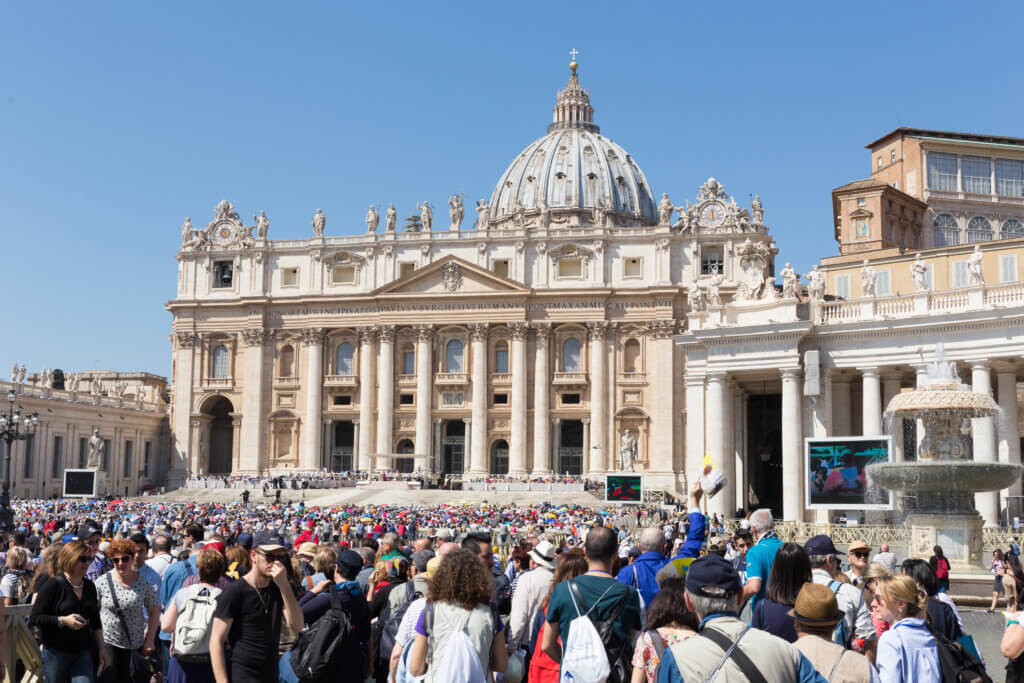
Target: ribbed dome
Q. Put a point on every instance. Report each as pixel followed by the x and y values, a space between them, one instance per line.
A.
pixel 571 171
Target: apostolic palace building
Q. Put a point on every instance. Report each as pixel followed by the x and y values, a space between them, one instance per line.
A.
pixel 587 323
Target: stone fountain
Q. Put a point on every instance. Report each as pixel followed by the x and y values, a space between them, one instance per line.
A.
pixel 938 489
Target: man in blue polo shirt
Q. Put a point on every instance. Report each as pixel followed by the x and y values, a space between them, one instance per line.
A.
pixel 761 557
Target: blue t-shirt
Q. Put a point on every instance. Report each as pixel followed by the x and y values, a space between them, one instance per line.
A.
pixel 760 559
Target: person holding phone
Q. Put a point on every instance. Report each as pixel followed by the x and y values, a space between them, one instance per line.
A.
pixel 129 611
pixel 67 614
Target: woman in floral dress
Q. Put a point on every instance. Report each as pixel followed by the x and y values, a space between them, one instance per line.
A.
pixel 670 622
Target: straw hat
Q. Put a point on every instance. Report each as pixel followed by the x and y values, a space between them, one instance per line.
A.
pixel 816 606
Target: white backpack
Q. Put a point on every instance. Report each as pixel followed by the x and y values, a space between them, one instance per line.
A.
pixel 192 628
pixel 460 662
pixel 584 659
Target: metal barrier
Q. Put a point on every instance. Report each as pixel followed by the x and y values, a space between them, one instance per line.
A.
pixel 21 646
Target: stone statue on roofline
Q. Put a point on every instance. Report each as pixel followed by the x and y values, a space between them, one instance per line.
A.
pixel 456 211
pixel 919 274
pixel 790 279
pixel 974 273
pixel 319 223
pixel 868 279
pixel 426 215
pixel 96 446
pixel 816 284
pixel 483 212
pixel 390 218
pixel 665 208
pixel 262 225
pixel 757 209
pixel 372 219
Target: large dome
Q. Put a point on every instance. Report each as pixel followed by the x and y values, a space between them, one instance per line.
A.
pixel 573 175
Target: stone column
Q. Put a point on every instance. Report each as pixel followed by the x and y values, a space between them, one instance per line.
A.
pixel 694 427
pixel 598 399
pixel 478 347
pixel 661 446
pixel 313 342
pixel 385 393
pixel 841 405
pixel 517 440
pixel 356 448
pixel 424 392
pixel 556 444
pixel 253 428
pixel 716 426
pixel 739 418
pixel 541 403
pixel 367 337
pixel 435 463
pixel 871 396
pixel 183 382
pixel 920 380
pixel 468 444
pixel 792 446
pixel 1007 432
pixel 987 502
pixel 586 442
pixel 890 387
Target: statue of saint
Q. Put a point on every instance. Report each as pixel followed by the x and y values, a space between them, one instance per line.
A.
pixel 456 211
pixel 262 226
pixel 390 218
pixel 665 208
pixel 14 373
pixel 868 279
pixel 695 297
pixel 789 282
pixel 627 451
pixel 186 230
pixel 372 219
pixel 977 278
pixel 21 374
pixel 757 208
pixel 919 274
pixel 96 446
pixel 545 213
pixel 816 284
pixel 426 215
pixel 319 223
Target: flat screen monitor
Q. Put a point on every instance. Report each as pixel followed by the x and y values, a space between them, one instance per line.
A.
pixel 624 488
pixel 80 483
pixel 836 473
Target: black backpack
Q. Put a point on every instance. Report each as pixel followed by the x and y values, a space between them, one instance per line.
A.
pixel 317 653
pixel 393 619
pixel 957 664
pixel 619 654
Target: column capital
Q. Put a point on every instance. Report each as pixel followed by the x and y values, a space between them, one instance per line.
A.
pixel 836 375
pixel 478 331
pixel 312 336
pixel 367 334
pixel 718 376
pixel 468 420
pixel 354 420
pixel 598 329
pixel 1005 367
pixel 424 333
pixel 387 333
pixel 543 330
pixel 186 340
pixel 980 364
pixel 694 380
pixel 255 336
pixel 662 329
pixel 556 420
pixel 791 374
pixel 871 371
pixel 518 330
pixel 585 420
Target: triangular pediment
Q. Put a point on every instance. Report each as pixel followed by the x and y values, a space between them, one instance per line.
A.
pixel 452 275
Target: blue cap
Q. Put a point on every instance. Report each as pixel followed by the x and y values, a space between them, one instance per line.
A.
pixel 712 576
pixel 244 540
pixel 820 545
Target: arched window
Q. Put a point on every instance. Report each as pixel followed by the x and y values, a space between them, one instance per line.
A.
pixel 571 355
pixel 947 232
pixel 408 360
pixel 1012 228
pixel 220 362
pixel 501 357
pixel 499 457
pixel 344 365
pixel 979 229
pixel 631 356
pixel 287 362
pixel 453 356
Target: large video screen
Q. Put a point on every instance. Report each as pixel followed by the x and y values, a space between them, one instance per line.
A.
pixel 624 488
pixel 80 483
pixel 836 477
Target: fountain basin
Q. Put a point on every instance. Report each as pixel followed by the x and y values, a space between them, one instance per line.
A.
pixel 943 475
pixel 953 403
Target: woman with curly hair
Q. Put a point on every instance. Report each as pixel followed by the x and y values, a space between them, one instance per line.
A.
pixel 543 669
pixel 132 622
pixel 458 600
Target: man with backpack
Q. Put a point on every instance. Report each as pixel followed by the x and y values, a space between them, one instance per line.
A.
pixel 641 574
pixel 594 613
pixel 856 626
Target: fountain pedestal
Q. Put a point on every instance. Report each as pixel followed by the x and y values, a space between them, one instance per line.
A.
pixel 959 534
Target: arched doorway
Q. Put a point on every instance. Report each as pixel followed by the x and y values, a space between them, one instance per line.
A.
pixel 404 447
pixel 499 457
pixel 217 459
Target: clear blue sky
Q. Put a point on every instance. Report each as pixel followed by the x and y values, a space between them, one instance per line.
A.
pixel 117 120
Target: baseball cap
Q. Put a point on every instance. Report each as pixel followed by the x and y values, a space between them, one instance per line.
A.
pixel 820 545
pixel 244 540
pixel 87 530
pixel 420 559
pixel 269 541
pixel 349 563
pixel 712 576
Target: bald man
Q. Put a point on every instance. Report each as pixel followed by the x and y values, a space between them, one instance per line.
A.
pixel 641 574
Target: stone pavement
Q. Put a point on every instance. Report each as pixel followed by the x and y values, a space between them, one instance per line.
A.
pixel 987 630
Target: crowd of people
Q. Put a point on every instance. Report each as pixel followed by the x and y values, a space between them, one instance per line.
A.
pixel 126 591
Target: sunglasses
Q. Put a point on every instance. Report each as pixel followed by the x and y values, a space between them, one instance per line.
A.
pixel 85 559
pixel 860 553
pixel 119 560
pixel 275 557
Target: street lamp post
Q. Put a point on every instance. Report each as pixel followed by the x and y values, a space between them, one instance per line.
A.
pixel 13 427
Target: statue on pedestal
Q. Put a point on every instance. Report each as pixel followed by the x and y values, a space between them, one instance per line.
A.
pixel 627 451
pixel 262 225
pixel 919 274
pixel 21 374
pixel 319 223
pixel 868 279
pixel 757 209
pixel 483 211
pixel 426 215
pixel 665 208
pixel 96 446
pixel 977 278
pixel 14 372
pixel 372 219
pixel 789 282
pixel 456 211
pixel 816 284
pixel 390 218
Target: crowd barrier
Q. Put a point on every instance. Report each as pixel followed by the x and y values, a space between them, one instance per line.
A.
pixel 522 486
pixel 259 484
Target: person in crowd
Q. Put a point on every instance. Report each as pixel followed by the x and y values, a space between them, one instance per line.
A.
pixel 907 652
pixel 873 573
pixel 238 562
pixel 323 559
pixel 518 563
pixel 601 596
pixel 543 669
pixel 997 567
pixel 210 565
pixel 885 558
pixel 407 628
pixel 815 615
pixel 89 532
pixel 16 585
pixel 171 581
pixel 530 594
pixel 852 603
pixel 249 615
pixel 668 620
pixel 1012 647
pixel 761 557
pixel 696 533
pixel 1014 569
pixel 742 541
pixel 396 571
pixel 368 554
pixel 391 547
pixel 941 617
pixel 643 573
pixel 479 543
pixel 356 649
pixel 125 597
pixel 49 565
pixel 304 554
pixel 858 553
pixel 162 557
pixel 714 594
pixel 459 598
pixel 66 614
pixel 141 554
pixel 790 571
pixel 940 565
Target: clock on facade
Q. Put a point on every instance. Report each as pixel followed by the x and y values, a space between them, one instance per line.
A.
pixel 223 232
pixel 712 215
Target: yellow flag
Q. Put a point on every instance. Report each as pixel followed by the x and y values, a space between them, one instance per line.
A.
pixel 708 461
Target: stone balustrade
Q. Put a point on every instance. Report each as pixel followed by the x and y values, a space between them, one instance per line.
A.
pixel 81 397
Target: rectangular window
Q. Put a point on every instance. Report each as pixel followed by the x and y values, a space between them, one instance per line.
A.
pixel 147 459
pixel 83 451
pixel 500 399
pixel 343 275
pixel 942 172
pixel 1007 267
pixel 633 267
pixel 843 286
pixel 343 400
pixel 405 269
pixel 501 361
pixel 711 260
pixel 1009 178
pixel 58 452
pixel 959 274
pixel 883 283
pixel 222 274
pixel 28 449
pixel 127 469
pixel 570 268
pixel 290 277
pixel 501 267
pixel 106 454
pixel 861 201
pixel 977 174
pixel 570 399
pixel 408 362
pixel 405 399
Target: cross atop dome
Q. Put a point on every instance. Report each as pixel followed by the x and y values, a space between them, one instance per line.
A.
pixel 572 56
pixel 572 107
